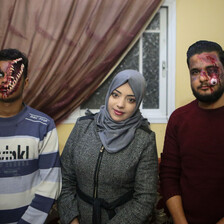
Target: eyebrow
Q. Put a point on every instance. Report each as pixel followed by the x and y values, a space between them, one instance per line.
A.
pixel 121 93
pixel 209 66
pixel 212 66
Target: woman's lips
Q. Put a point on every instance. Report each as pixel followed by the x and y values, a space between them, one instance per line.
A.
pixel 119 113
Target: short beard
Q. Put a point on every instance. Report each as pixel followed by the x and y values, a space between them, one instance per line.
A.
pixel 211 98
pixel 10 100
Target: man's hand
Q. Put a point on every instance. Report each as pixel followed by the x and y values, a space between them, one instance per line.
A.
pixel 175 207
pixel 75 221
pixel 221 221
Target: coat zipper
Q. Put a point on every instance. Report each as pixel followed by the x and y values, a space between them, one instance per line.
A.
pixel 95 192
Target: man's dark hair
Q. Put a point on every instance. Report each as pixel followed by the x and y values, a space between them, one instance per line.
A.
pixel 205 46
pixel 12 54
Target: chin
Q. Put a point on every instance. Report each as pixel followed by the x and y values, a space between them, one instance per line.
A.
pixel 117 119
pixel 208 98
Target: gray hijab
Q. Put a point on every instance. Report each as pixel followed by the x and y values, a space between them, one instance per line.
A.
pixel 115 136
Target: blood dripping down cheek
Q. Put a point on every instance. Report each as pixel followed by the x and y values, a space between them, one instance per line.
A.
pixel 212 73
pixel 13 76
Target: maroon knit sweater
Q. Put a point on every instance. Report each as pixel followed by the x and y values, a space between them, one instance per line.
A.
pixel 192 162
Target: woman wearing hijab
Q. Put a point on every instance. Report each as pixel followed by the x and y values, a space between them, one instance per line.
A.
pixel 109 163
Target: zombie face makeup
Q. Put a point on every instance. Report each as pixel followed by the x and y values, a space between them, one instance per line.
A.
pixel 10 76
pixel 207 76
pixel 212 71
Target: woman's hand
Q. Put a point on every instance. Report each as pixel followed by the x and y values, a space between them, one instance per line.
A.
pixel 75 221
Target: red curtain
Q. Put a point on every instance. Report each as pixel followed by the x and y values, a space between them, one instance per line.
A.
pixel 71 45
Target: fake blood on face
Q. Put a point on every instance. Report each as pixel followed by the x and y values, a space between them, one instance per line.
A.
pixel 11 73
pixel 212 71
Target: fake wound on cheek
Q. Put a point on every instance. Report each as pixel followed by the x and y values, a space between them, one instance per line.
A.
pixel 12 76
pixel 213 71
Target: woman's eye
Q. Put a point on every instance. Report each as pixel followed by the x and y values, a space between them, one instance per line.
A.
pixel 132 100
pixel 1 75
pixel 114 94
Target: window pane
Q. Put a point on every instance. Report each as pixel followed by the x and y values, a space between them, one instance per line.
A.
pixel 155 23
pixel 131 61
pixel 151 70
pixel 149 56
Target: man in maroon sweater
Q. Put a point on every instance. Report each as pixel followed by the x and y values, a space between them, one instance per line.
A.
pixel 192 162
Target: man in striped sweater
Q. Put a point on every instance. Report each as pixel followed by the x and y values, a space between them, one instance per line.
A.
pixel 30 174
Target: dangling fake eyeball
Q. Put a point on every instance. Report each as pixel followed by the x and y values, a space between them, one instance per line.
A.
pixel 213 81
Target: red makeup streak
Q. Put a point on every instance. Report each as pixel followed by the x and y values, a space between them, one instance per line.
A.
pixel 13 73
pixel 211 59
pixel 212 72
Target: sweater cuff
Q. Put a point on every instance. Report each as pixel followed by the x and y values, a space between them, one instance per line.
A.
pixel 170 195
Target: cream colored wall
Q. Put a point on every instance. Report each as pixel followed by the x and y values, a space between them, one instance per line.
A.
pixel 196 20
pixel 63 132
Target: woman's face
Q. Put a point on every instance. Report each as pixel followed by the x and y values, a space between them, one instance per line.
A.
pixel 121 103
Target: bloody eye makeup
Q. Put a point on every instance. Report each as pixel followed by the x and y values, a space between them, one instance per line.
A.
pixel 207 67
pixel 213 73
pixel 13 71
pixel 1 74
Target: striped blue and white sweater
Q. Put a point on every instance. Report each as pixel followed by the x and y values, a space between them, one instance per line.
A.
pixel 30 174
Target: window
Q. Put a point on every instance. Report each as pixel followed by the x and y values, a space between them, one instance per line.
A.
pixel 154 56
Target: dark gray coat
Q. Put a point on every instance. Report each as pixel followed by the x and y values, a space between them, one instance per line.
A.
pixel 134 167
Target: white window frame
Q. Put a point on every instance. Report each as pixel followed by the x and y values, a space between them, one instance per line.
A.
pixel 171 57
pixel 158 115
pixel 167 73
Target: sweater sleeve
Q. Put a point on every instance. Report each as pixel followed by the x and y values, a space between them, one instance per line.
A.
pixel 138 209
pixel 170 165
pixel 49 178
pixel 67 202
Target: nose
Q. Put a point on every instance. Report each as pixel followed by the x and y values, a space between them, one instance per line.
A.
pixel 3 78
pixel 203 76
pixel 121 103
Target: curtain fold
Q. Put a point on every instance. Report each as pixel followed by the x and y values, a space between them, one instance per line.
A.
pixel 71 45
